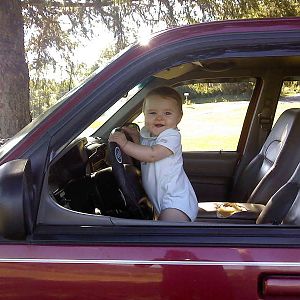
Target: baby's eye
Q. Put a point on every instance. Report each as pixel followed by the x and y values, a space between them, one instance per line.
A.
pixel 152 113
pixel 168 113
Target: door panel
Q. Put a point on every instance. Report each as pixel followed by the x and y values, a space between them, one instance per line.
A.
pixel 130 272
pixel 210 173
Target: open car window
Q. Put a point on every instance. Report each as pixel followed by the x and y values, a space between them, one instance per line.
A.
pixel 81 177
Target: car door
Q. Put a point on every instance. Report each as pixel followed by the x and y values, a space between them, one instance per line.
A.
pixel 139 264
pixel 134 259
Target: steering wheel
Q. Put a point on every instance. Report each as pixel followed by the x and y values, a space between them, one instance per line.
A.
pixel 128 179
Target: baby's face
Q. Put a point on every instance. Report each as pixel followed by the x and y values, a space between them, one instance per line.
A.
pixel 161 114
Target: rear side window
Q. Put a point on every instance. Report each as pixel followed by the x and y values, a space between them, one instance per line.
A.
pixel 214 114
pixel 289 97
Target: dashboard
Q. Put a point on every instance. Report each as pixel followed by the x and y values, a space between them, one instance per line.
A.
pixel 82 180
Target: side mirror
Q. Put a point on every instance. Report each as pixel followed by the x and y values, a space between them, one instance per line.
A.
pixel 16 199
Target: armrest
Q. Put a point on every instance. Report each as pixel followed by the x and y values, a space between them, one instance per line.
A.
pixel 227 212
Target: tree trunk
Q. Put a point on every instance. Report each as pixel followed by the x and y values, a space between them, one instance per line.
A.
pixel 14 75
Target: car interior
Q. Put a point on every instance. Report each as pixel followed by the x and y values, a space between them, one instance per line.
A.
pixel 255 181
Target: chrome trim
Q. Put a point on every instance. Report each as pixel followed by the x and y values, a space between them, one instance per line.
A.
pixel 149 262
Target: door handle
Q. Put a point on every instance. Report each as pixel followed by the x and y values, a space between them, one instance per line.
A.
pixel 281 286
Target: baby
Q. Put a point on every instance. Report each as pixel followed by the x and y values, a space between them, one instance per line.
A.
pixel 159 149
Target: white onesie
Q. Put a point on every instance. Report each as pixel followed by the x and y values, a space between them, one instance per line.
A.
pixel 165 181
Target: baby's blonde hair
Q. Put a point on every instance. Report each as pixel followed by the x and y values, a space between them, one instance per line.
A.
pixel 165 91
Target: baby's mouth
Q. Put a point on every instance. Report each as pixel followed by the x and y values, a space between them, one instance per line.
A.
pixel 158 125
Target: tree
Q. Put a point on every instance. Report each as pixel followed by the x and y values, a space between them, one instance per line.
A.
pixel 43 21
pixel 45 92
pixel 14 76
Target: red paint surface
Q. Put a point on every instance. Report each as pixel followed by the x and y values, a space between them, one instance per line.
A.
pixel 134 281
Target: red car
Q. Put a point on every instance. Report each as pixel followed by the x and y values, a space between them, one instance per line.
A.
pixel 72 222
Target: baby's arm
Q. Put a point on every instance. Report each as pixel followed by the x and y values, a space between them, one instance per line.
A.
pixel 140 152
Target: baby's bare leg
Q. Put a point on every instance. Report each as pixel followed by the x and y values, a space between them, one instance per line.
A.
pixel 173 215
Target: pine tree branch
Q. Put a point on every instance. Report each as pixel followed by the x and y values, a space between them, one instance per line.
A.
pixel 58 4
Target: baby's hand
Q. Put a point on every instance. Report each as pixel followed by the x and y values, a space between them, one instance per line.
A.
pixel 133 133
pixel 119 138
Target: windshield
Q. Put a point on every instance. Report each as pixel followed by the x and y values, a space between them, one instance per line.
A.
pixel 110 112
